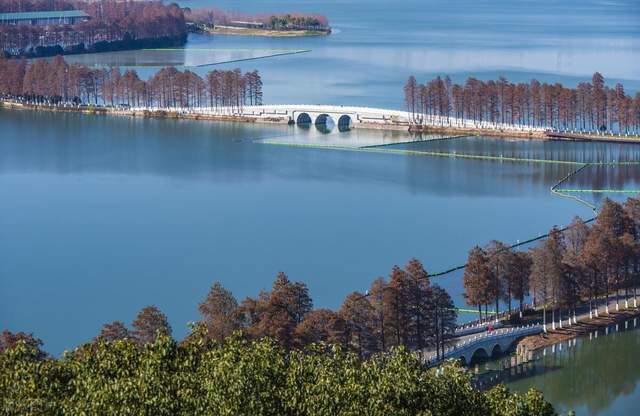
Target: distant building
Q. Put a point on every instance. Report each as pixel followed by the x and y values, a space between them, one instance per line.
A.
pixel 66 17
pixel 247 25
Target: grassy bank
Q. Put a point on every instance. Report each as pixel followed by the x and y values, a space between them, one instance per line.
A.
pixel 240 31
pixel 458 131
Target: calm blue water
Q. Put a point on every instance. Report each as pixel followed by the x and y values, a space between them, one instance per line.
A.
pixel 102 216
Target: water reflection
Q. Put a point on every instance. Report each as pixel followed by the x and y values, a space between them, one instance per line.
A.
pixel 344 123
pixel 236 151
pixel 196 55
pixel 182 204
pixel 121 193
pixel 594 375
pixel 619 177
pixel 548 150
pixel 324 123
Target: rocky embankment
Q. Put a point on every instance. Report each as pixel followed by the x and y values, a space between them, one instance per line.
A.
pixel 583 327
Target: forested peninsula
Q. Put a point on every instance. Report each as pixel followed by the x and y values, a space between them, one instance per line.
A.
pixel 110 25
pixel 221 22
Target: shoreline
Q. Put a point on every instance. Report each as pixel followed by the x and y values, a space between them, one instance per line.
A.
pixel 269 33
pixel 523 135
pixel 120 45
pixel 582 328
pixel 284 119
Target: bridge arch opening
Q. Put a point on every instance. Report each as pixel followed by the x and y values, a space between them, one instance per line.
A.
pixel 496 351
pixel 345 123
pixel 303 120
pixel 479 355
pixel 324 123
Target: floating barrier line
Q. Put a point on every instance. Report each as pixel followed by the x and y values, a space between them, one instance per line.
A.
pixel 569 175
pixel 426 153
pixel 601 191
pixel 226 49
pixel 263 139
pixel 531 240
pixel 555 191
pixel 435 139
pixel 472 156
pixel 253 58
pixel 384 149
pixel 465 310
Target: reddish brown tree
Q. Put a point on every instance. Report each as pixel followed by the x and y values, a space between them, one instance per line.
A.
pixel 359 317
pixel 377 301
pixel 220 312
pixel 397 309
pixel 477 279
pixel 150 323
pixel 113 331
pixel 322 325
pixel 420 308
pixel 519 278
pixel 9 340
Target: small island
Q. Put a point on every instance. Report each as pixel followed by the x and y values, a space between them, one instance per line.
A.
pixel 270 25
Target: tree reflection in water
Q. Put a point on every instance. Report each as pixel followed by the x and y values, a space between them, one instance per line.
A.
pixel 591 375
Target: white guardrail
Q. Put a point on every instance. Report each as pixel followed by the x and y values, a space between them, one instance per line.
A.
pixel 498 334
pixel 474 329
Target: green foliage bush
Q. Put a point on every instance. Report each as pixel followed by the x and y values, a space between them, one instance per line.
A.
pixel 240 377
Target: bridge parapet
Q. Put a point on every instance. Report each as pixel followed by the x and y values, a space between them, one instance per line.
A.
pixel 487 342
pixel 476 328
pixel 365 116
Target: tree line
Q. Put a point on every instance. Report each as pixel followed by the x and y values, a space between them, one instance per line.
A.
pixel 581 264
pixel 269 355
pixel 113 25
pixel 239 377
pixel 272 21
pixel 590 106
pixel 56 81
pixel 405 310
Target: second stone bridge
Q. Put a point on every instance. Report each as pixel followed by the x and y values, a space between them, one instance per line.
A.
pixel 484 345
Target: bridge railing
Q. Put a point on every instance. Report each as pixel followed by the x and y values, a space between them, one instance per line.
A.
pixel 498 334
pixel 475 328
pixel 368 114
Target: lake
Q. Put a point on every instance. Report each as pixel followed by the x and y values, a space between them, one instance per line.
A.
pixel 100 216
pixel 103 215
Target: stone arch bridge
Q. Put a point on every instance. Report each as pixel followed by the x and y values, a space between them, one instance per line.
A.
pixel 306 114
pixel 486 345
pixel 341 116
